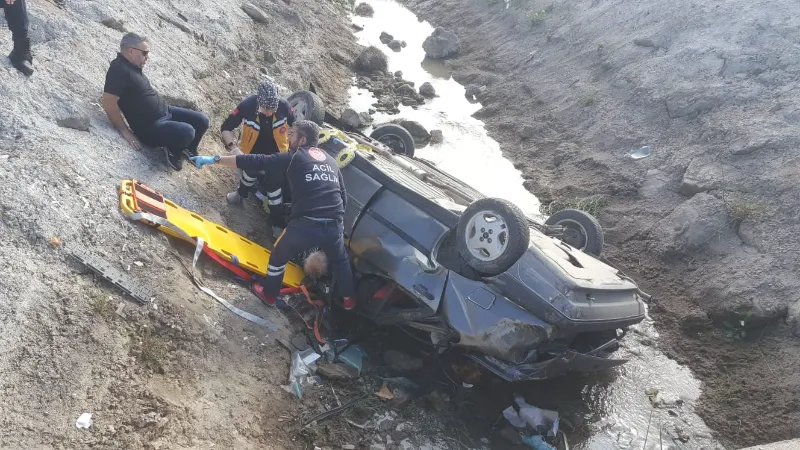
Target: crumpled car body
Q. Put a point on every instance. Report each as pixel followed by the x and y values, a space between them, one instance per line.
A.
pixel 555 310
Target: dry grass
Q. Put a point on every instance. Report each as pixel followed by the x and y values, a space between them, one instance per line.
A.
pixel 592 205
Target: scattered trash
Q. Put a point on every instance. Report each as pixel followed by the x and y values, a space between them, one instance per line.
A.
pixel 302 371
pixel 385 393
pixel 138 263
pixel 84 421
pixel 641 152
pixel 352 355
pixel 537 443
pixel 537 428
pixel 54 241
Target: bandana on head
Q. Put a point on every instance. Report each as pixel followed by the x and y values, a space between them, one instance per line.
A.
pixel 268 94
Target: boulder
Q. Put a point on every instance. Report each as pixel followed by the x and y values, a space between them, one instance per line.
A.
pixel 364 10
pixel 692 225
pixel 441 44
pixel 386 37
pixel 421 136
pixel 405 90
pixel 354 119
pixel 473 91
pixel 427 90
pixel 80 123
pixel 269 57
pixel 655 184
pixel 255 13
pixel 437 137
pixel 398 74
pixel 115 24
pixel 701 176
pixel 395 45
pixel 371 59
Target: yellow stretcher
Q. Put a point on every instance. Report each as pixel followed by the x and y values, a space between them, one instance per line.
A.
pixel 150 207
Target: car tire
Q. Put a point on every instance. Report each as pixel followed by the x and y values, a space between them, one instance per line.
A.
pixel 307 106
pixel 581 230
pixel 395 137
pixel 492 235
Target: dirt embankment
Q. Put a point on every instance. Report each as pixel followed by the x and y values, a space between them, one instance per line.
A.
pixel 707 223
pixel 181 372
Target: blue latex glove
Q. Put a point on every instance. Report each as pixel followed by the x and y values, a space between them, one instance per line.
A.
pixel 200 161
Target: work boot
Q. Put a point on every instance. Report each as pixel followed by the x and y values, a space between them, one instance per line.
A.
pixel 234 198
pixel 173 159
pixel 21 57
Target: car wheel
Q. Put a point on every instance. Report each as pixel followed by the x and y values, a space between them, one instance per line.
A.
pixel 581 230
pixel 307 106
pixel 395 137
pixel 492 235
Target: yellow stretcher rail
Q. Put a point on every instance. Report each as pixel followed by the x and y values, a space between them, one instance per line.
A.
pixel 135 197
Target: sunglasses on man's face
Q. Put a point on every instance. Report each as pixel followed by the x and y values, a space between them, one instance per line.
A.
pixel 144 52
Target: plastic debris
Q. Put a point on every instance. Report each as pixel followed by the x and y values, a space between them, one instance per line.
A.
pixel 537 443
pixel 84 421
pixel 352 355
pixel 385 393
pixel 301 373
pixel 533 416
pixel 641 152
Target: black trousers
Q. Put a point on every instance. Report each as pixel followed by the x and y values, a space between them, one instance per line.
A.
pixel 275 191
pixel 302 234
pixel 17 18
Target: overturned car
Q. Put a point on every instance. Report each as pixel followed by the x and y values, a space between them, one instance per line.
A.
pixel 525 300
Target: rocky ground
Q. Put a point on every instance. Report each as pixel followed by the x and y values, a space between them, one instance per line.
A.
pixel 181 371
pixel 707 223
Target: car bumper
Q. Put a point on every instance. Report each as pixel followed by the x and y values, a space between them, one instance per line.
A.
pixel 568 361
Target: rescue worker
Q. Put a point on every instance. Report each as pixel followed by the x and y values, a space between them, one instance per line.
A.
pixel 16 12
pixel 316 219
pixel 263 109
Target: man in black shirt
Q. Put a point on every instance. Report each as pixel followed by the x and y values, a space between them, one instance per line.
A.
pixel 16 13
pixel 319 200
pixel 128 91
pixel 265 120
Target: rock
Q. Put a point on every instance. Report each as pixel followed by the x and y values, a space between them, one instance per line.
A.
pixel 691 103
pixel 395 45
pixel 364 10
pixel 201 74
pixel 441 44
pixel 474 91
pixel 114 24
pixel 793 318
pixel 80 123
pixel 701 176
pixel 269 57
pixel 692 225
pixel 336 371
pixel 351 118
pixel 654 184
pixel 372 59
pixel 356 27
pixel 406 444
pixel 180 102
pixel 427 90
pixel 403 44
pixel 437 137
pixel 386 37
pixel 402 362
pixel 405 90
pixel 418 132
pixel 645 43
pixel 348 447
pixel 398 74
pixel 408 101
pixel 255 13
pixel 377 447
pixel 175 23
pixel 527 132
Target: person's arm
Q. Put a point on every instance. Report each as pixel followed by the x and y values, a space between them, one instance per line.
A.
pixel 231 123
pixel 290 115
pixel 274 164
pixel 114 87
